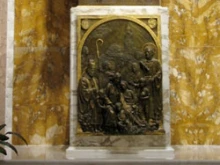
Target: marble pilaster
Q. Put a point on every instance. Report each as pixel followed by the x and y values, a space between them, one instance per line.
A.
pixel 3 41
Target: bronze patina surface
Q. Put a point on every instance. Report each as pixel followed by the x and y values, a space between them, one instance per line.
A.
pixel 119 75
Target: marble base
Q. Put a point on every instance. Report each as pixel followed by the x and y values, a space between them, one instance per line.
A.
pixel 126 141
pixel 123 153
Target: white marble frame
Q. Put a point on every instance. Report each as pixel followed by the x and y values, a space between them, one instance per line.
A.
pixel 9 71
pixel 119 10
pixel 9 65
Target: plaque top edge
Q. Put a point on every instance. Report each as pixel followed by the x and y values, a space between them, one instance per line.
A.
pixel 90 9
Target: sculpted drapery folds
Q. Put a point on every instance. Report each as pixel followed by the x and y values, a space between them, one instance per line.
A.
pixel 152 81
pixel 88 87
pixel 120 91
pixel 120 108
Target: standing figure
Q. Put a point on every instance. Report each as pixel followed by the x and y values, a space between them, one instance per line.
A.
pixel 106 72
pixel 85 54
pixel 129 40
pixel 135 76
pixel 113 88
pixel 144 100
pixel 108 113
pixel 89 116
pixel 153 78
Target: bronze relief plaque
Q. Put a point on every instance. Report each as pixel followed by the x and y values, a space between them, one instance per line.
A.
pixel 119 75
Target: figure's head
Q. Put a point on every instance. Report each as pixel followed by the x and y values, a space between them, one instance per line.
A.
pixel 85 50
pixel 118 106
pixel 117 77
pixel 135 67
pixel 101 93
pixel 145 91
pixel 107 66
pixel 124 85
pixel 91 68
pixel 149 51
pixel 122 115
pixel 142 82
pixel 134 108
pixel 129 30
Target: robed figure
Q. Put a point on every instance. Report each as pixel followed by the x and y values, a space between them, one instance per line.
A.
pixel 153 82
pixel 89 116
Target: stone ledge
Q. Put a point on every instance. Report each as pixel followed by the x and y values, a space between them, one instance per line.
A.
pixel 56 155
pixel 111 153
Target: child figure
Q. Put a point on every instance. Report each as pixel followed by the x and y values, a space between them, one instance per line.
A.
pixel 124 124
pixel 144 97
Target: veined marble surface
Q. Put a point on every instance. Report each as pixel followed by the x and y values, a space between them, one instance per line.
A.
pixel 120 140
pixel 194 71
pixel 38 71
pixel 3 39
pixel 190 155
pixel 10 65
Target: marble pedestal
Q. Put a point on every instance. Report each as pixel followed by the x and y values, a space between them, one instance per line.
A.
pixel 152 146
pixel 114 153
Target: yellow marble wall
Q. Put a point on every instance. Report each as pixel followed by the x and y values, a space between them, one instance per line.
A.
pixel 41 80
pixel 195 70
pixel 41 71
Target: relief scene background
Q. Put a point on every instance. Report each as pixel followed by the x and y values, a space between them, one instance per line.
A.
pixel 120 89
